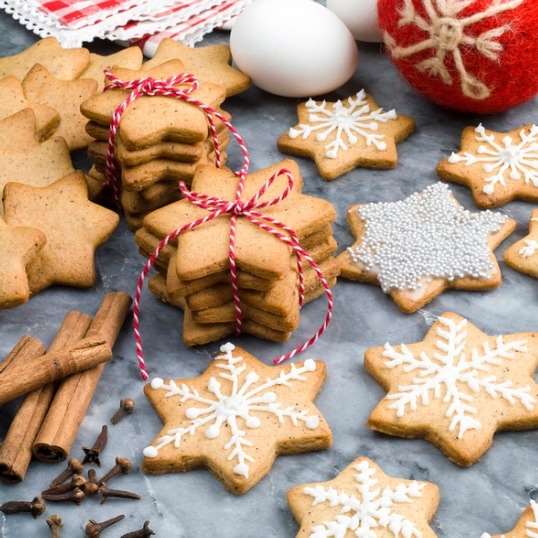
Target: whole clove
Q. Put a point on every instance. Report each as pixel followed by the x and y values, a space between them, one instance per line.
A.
pixel 123 466
pixel 126 408
pixel 91 455
pixel 55 524
pixel 75 495
pixel 144 532
pixel 77 481
pixel 35 507
pixel 73 467
pixel 116 493
pixel 93 529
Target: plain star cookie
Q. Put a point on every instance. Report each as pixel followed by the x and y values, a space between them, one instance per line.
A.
pixel 457 387
pixel 65 96
pixel 364 502
pixel 346 134
pixel 18 247
pixel 416 248
pixel 74 228
pixel 497 167
pixel 523 255
pixel 527 526
pixel 65 64
pixel 236 417
pixel 211 64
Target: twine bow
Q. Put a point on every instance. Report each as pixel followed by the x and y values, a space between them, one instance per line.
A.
pixel 216 207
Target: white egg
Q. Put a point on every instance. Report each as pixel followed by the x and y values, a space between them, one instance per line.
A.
pixel 293 48
pixel 360 17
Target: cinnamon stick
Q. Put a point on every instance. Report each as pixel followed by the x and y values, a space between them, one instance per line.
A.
pixel 26 348
pixel 34 373
pixel 16 450
pixel 73 397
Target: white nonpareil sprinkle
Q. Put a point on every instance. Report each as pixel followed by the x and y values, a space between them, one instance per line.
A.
pixel 427 235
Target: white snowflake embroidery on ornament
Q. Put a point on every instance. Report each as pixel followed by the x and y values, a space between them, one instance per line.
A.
pixel 447 35
pixel 453 369
pixel 371 510
pixel 348 123
pixel 520 159
pixel 427 235
pixel 530 248
pixel 245 398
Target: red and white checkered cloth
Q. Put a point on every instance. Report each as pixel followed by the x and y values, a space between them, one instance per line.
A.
pixel 74 22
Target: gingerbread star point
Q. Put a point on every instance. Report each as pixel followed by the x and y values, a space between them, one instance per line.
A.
pixel 526 527
pixel 523 255
pixel 498 167
pixel 346 134
pixel 457 387
pixel 74 228
pixel 236 417
pixel 453 247
pixel 210 63
pixel 364 501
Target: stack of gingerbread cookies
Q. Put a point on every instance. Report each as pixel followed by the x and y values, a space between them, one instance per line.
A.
pixel 194 270
pixel 161 140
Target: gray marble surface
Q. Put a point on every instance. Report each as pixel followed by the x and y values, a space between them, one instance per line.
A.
pixel 487 497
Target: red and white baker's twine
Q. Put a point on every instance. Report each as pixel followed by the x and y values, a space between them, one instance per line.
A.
pixel 216 207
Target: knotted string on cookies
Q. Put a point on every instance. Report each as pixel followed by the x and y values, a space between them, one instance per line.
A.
pixel 216 207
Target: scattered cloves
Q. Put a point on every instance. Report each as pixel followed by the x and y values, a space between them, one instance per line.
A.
pixel 94 529
pixel 126 408
pixel 73 467
pixel 144 532
pixel 75 495
pixel 123 466
pixel 91 455
pixel 77 481
pixel 116 493
pixel 55 524
pixel 35 507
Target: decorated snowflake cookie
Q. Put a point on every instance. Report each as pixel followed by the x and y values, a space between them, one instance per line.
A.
pixel 346 134
pixel 527 526
pixel 497 167
pixel 457 387
pixel 523 255
pixel 236 417
pixel 416 248
pixel 364 502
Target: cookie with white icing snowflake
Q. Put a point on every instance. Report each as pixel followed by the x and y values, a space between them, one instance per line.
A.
pixel 236 417
pixel 363 502
pixel 497 167
pixel 346 134
pixel 523 255
pixel 418 247
pixel 527 526
pixel 457 387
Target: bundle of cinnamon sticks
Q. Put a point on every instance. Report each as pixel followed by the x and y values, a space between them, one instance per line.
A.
pixel 58 385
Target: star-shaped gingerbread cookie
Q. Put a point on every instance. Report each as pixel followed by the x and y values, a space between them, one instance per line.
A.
pixel 65 64
pixel 418 247
pixel 362 501
pixel 154 119
pixel 211 64
pixel 258 252
pixel 346 134
pixel 129 58
pixel 527 526
pixel 236 418
pixel 18 247
pixel 65 96
pixel 13 100
pixel 74 228
pixel 24 159
pixel 457 387
pixel 523 255
pixel 497 167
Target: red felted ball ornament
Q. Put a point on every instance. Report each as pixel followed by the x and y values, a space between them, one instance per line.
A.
pixel 476 56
